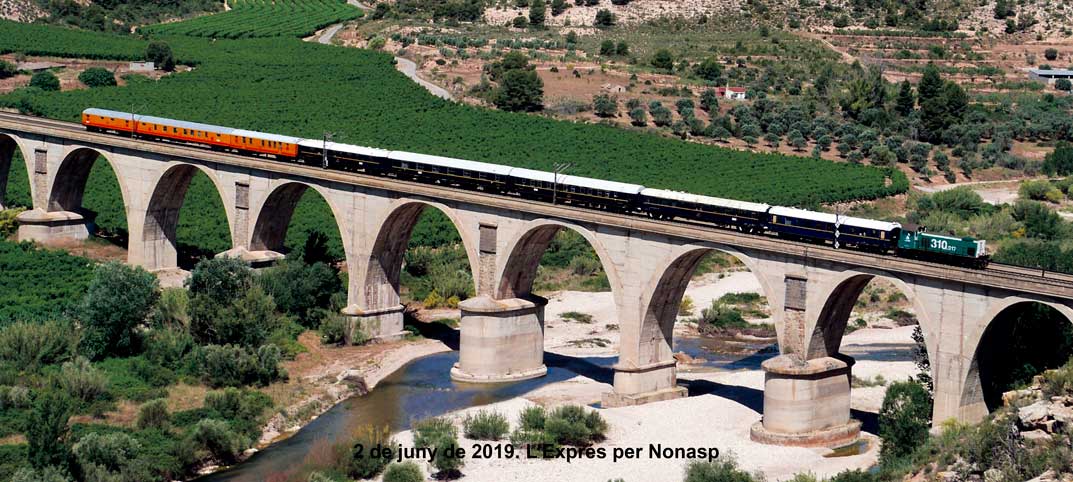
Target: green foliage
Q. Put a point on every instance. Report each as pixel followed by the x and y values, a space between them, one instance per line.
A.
pixel 7 69
pixel 168 347
pixel 333 329
pixel 30 345
pixel 447 462
pixel 485 425
pixel 521 90
pixel 427 431
pixel 153 414
pixel 361 464
pixel 404 472
pixel 904 419
pixel 172 310
pixel 45 81
pixel 136 378
pixel 119 299
pixel 532 418
pixel 1060 161
pixel 214 439
pixel 725 470
pixel 302 290
pixel 1039 221
pixel 573 425
pixel 97 77
pixel 1036 254
pixel 39 283
pixel 47 474
pixel 1040 190
pixel 720 315
pixel 232 365
pixel 259 18
pixel 82 381
pixel 108 456
pixel 46 429
pixel 663 61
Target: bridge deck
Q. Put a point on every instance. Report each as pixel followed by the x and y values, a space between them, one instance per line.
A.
pixel 1025 280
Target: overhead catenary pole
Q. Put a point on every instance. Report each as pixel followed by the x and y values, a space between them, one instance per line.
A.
pixel 324 152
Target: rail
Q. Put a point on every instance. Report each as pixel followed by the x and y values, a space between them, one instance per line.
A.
pixel 1020 279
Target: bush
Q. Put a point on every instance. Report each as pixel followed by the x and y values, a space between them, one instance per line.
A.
pixel 214 439
pixel 1040 190
pixel 361 464
pixel 230 365
pixel 485 425
pixel 82 381
pixel 532 418
pixel 904 419
pixel 153 414
pixel 168 347
pixel 717 471
pixel 33 345
pixel 720 316
pixel 119 299
pixel 46 81
pixel 404 472
pixel 333 329
pixel 302 290
pixel 446 461
pixel 15 397
pixel 107 455
pixel 572 425
pixel 427 431
pixel 7 69
pixel 172 309
pixel 47 474
pixel 97 77
pixel 47 430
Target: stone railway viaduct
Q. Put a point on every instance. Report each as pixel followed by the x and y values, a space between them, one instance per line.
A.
pixel 811 289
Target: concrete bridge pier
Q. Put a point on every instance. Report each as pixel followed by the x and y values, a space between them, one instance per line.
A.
pixel 806 402
pixel 501 340
pixel 51 226
pixel 637 385
pixel 384 324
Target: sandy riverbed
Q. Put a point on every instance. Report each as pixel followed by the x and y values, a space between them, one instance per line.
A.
pixel 720 418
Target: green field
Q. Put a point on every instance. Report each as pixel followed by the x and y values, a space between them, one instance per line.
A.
pixel 291 87
pixel 263 18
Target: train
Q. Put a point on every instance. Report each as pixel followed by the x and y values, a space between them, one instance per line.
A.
pixel 835 230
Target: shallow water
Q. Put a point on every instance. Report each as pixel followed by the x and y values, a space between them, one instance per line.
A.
pixel 420 389
pixel 423 388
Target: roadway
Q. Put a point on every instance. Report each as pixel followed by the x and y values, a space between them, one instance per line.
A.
pixel 995 275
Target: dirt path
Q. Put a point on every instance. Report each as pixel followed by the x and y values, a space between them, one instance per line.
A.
pixel 406 66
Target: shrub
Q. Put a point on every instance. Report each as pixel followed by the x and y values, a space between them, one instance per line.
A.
pixel 404 472
pixel 46 474
pixel 716 471
pixel 333 329
pixel 361 464
pixel 168 347
pixel 7 69
pixel 572 425
pixel 852 476
pixel 904 419
pixel 119 299
pixel 446 461
pixel 485 425
pixel 82 381
pixel 172 309
pixel 1040 190
pixel 14 397
pixel 45 80
pixel 301 290
pixel 427 431
pixel 105 454
pixel 230 365
pixel 720 315
pixel 97 77
pixel 532 418
pixel 153 414
pixel 160 54
pixel 46 429
pixel 214 439
pixel 33 345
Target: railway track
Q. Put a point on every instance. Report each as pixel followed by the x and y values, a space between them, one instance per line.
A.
pixel 1000 275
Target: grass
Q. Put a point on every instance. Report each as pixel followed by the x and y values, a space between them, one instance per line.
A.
pixel 577 316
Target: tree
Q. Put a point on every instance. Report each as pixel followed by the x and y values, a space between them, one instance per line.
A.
pixel 622 48
pixel 558 7
pixel 709 69
pixel 1002 9
pixel 931 84
pixel 956 103
pixel 119 299
pixel 904 419
pixel 520 91
pixel 905 102
pixel 160 54
pixel 604 19
pixel 1060 161
pixel 663 60
pixel 1051 54
pixel 519 22
pixel 661 116
pixel 97 77
pixel 709 101
pixel 605 106
pixel 1063 84
pixel 607 47
pixel 302 290
pixel 638 116
pixel 46 429
pixel 537 13
pixel 45 80
pixel 841 21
